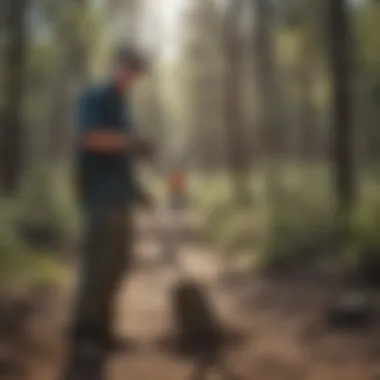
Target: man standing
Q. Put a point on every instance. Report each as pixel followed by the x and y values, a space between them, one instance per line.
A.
pixel 107 149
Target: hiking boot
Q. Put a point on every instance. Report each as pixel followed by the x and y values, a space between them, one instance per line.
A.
pixel 86 361
pixel 116 344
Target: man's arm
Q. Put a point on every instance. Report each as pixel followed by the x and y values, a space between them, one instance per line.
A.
pixel 102 139
pixel 93 135
pixel 141 196
pixel 108 142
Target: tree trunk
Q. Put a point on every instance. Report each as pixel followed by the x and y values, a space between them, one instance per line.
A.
pixel 265 76
pixel 234 125
pixel 307 121
pixel 71 72
pixel 342 105
pixel 270 131
pixel 11 148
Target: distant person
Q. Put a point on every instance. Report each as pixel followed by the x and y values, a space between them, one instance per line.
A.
pixel 177 189
pixel 107 191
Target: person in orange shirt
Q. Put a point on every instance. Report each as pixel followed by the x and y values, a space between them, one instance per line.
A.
pixel 176 200
pixel 177 189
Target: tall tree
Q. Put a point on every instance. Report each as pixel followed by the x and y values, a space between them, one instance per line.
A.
pixel 307 65
pixel 13 81
pixel 302 58
pixel 368 98
pixel 203 71
pixel 234 123
pixel 270 131
pixel 71 69
pixel 342 107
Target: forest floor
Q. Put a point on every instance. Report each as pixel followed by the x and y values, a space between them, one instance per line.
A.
pixel 282 321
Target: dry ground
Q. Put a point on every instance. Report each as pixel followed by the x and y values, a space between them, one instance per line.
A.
pixel 286 339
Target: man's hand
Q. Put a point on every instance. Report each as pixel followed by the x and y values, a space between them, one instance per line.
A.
pixel 144 199
pixel 99 141
pixel 107 142
pixel 143 148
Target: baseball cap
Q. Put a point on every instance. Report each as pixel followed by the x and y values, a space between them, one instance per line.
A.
pixel 130 57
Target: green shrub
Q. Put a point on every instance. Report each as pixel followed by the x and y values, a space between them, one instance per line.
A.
pixel 19 263
pixel 282 230
pixel 364 238
pixel 299 224
pixel 46 199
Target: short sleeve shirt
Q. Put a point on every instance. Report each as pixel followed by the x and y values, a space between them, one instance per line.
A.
pixel 107 180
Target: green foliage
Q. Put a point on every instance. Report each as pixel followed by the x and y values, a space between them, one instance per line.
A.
pixel 45 199
pixel 368 43
pixel 298 228
pixel 301 221
pixel 12 249
pixel 40 75
pixel 301 232
pixel 19 263
pixel 365 238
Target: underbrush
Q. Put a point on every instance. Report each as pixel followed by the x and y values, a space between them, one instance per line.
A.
pixel 46 201
pixel 296 230
pixel 33 224
pixel 22 264
pixel 363 250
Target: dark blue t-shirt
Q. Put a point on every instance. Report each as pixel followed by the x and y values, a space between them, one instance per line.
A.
pixel 106 180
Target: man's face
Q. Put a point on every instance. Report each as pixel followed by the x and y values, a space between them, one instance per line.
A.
pixel 127 76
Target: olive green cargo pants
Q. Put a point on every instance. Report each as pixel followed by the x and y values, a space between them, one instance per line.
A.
pixel 106 259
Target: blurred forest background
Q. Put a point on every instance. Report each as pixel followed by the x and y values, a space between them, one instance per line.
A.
pixel 272 107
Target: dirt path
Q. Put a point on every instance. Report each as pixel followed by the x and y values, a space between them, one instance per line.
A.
pixel 285 340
